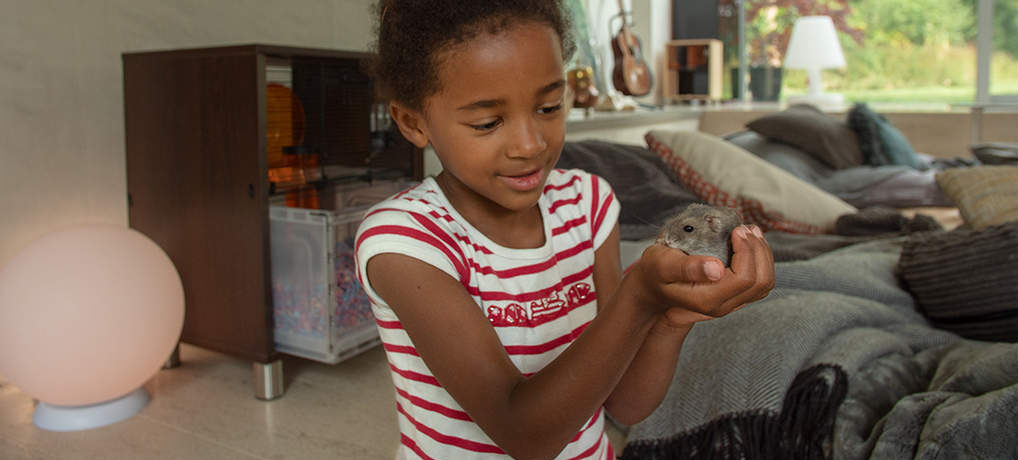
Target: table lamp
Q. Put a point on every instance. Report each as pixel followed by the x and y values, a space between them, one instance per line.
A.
pixel 814 46
pixel 87 315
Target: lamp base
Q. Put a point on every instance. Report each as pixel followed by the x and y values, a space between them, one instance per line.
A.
pixel 52 417
pixel 825 101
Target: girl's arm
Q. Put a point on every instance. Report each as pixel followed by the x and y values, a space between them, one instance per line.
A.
pixel 650 374
pixel 527 417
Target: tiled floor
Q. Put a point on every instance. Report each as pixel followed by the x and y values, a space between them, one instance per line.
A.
pixel 205 409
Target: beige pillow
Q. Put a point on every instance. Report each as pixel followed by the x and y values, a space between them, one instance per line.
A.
pixel 724 174
pixel 985 195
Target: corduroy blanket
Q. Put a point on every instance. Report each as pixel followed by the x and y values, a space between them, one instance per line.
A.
pixel 834 363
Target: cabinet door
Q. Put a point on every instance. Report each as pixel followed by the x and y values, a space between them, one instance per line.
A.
pixel 197 186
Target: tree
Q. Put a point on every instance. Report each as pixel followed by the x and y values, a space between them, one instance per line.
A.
pixel 769 24
pixel 1005 25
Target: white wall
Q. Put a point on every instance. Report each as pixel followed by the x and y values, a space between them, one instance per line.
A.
pixel 61 92
pixel 651 22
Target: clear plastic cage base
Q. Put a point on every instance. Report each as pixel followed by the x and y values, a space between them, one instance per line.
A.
pixel 320 310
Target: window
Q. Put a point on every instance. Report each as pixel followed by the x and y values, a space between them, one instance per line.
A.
pixel 902 51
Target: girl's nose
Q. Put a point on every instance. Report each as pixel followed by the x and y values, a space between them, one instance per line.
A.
pixel 527 140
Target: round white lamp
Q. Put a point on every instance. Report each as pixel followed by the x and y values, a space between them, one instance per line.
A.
pixel 87 315
pixel 814 46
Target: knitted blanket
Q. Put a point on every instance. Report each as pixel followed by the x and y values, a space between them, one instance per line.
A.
pixel 834 363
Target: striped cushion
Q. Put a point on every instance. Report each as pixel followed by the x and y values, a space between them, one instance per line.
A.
pixel 985 195
pixel 723 174
pixel 965 280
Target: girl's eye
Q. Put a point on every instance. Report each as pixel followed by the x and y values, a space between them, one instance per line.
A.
pixel 550 109
pixel 487 126
pixel 688 228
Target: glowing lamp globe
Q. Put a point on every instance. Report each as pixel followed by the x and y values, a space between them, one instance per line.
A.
pixel 87 316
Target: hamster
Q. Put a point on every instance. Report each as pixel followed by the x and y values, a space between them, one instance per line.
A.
pixel 701 230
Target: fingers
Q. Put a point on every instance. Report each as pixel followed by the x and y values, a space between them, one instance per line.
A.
pixel 744 251
pixel 752 267
pixel 675 266
pixel 698 288
pixel 765 266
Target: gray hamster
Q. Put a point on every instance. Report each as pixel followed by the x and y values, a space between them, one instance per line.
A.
pixel 701 230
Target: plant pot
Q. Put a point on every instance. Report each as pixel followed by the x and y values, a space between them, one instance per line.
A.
pixel 765 83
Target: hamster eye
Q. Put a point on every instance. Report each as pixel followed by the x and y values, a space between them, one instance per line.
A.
pixel 688 228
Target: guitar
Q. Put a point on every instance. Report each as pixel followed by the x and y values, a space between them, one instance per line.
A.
pixel 630 75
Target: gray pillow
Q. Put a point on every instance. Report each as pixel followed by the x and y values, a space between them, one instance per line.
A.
pixel 785 156
pixel 861 186
pixel 647 190
pixel 805 126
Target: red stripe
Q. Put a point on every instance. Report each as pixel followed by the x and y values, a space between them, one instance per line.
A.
pixel 546 346
pixel 572 180
pixel 556 204
pixel 415 376
pixel 405 349
pixel 404 192
pixel 603 213
pixel 465 240
pixel 593 201
pixel 419 236
pixel 529 296
pixel 381 210
pixel 406 441
pixel 435 214
pixel 434 407
pixel 534 268
pixel 568 225
pixel 591 451
pixel 590 423
pixel 388 324
pixel 455 441
pixel 437 231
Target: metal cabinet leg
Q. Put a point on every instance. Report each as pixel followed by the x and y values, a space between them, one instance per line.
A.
pixel 174 359
pixel 268 380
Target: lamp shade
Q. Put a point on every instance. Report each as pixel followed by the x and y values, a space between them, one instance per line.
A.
pixel 814 45
pixel 88 314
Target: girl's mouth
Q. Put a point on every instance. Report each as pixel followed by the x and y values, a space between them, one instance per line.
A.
pixel 525 182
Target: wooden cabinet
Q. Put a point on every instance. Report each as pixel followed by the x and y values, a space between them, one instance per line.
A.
pixel 197 169
pixel 693 70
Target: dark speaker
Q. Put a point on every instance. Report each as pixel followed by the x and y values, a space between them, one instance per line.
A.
pixel 695 19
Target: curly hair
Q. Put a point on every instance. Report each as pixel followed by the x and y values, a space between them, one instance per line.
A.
pixel 410 35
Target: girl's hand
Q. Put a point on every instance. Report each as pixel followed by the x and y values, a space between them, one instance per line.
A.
pixel 688 289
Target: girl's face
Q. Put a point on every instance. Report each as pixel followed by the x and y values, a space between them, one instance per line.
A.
pixel 498 122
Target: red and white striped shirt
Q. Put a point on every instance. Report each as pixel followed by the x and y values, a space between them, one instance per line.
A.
pixel 537 300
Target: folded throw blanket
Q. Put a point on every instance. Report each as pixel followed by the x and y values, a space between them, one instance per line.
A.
pixel 816 368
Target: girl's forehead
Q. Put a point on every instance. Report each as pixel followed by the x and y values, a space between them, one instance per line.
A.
pixel 519 54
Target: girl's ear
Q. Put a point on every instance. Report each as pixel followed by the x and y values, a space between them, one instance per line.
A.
pixel 411 124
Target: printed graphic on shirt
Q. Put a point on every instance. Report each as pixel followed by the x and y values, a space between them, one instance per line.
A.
pixel 537 312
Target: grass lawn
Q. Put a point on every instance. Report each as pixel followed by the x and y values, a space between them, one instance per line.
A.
pixel 923 95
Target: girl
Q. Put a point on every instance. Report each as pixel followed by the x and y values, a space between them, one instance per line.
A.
pixel 496 285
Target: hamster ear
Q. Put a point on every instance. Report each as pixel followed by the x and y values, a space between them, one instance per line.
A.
pixel 410 123
pixel 714 222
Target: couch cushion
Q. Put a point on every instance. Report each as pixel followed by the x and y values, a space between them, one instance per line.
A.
pixel 805 126
pixel 723 174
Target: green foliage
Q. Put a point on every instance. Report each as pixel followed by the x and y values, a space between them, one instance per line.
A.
pixel 897 50
pixel 1005 25
pixel 920 22
pixel 919 51
pixel 769 24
